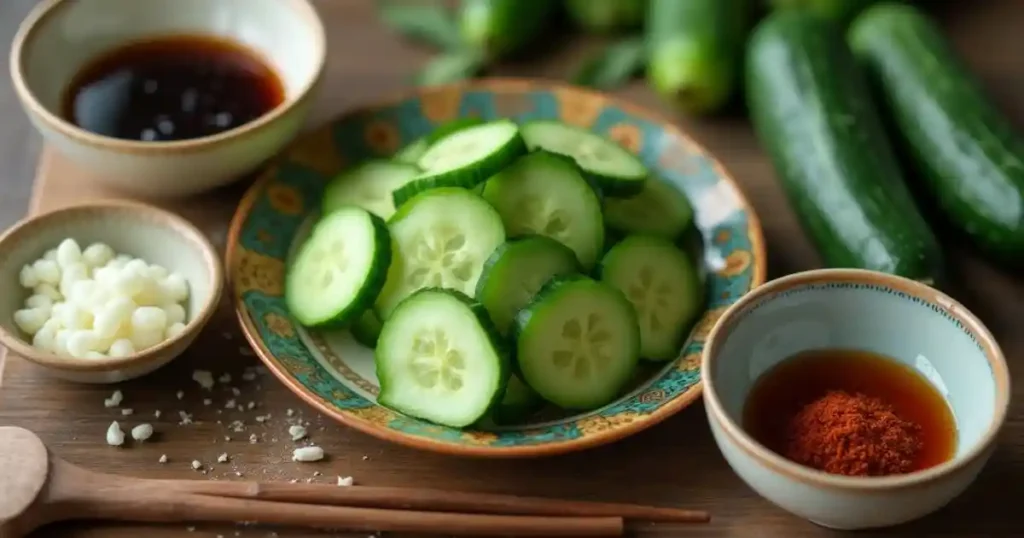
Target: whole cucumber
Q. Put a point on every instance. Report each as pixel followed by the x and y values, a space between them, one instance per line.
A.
pixel 812 110
pixel 603 16
pixel 841 11
pixel 500 28
pixel 695 49
pixel 966 152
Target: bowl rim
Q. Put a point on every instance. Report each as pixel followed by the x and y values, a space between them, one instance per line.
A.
pixel 759 265
pixel 780 465
pixel 18 346
pixel 44 10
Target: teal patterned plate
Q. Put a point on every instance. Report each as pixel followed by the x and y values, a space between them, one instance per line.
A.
pixel 335 375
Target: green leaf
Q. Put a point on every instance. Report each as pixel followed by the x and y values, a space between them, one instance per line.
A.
pixel 613 66
pixel 451 67
pixel 427 22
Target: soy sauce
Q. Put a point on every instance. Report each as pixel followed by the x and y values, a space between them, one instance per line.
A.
pixel 172 88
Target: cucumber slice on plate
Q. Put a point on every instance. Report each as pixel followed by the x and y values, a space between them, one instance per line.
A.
pixel 366 328
pixel 368 186
pixel 664 286
pixel 617 171
pixel 517 404
pixel 545 194
pixel 465 158
pixel 578 342
pixel 659 209
pixel 340 269
pixel 442 238
pixel 438 359
pixel 414 151
pixel 516 271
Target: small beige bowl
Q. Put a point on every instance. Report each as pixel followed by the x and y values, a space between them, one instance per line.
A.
pixel 139 230
pixel 60 37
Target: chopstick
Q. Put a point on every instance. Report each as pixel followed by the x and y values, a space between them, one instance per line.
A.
pixel 437 500
pixel 179 505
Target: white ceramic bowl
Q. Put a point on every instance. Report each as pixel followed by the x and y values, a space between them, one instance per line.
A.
pixel 140 230
pixel 60 37
pixel 839 308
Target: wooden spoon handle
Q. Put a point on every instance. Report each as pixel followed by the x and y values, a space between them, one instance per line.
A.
pixel 223 509
pixel 435 500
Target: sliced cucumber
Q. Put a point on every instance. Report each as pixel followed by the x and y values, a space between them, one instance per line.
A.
pixel 578 342
pixel 438 358
pixel 545 194
pixel 659 209
pixel 617 171
pixel 368 186
pixel 366 328
pixel 442 238
pixel 664 286
pixel 340 269
pixel 516 270
pixel 517 404
pixel 465 158
pixel 414 151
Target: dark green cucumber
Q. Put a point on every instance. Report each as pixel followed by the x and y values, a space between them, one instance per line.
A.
pixel 813 112
pixel 660 209
pixel 500 28
pixel 606 15
pixel 366 328
pixel 840 11
pixel 517 404
pixel 967 153
pixel 695 49
pixel 516 270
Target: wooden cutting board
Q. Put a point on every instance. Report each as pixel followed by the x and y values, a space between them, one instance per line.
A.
pixel 674 463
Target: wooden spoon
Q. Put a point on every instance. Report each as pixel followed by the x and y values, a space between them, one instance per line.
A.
pixel 38 488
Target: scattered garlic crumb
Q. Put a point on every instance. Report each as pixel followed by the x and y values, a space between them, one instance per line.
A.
pixel 157 413
pixel 235 391
pixel 204 378
pixel 225 379
pixel 250 405
pixel 227 438
pixel 196 465
pixel 127 411
pixel 115 437
pixel 249 376
pixel 262 418
pixel 290 412
pixel 142 432
pixel 316 473
pixel 180 394
pixel 223 458
pixel 190 529
pixel 230 404
pixel 163 458
pixel 308 454
pixel 294 481
pixel 207 401
pixel 114 400
pixel 366 458
pixel 253 439
pixel 297 432
pixel 185 418
pixel 345 481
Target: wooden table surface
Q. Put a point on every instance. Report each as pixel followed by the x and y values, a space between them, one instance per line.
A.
pixel 674 463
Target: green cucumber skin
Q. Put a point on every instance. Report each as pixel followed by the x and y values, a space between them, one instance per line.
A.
pixel 813 112
pixel 839 11
pixel 467 177
pixel 695 50
pixel 500 28
pixel 500 350
pixel 365 329
pixel 968 155
pixel 517 403
pixel 368 295
pixel 604 16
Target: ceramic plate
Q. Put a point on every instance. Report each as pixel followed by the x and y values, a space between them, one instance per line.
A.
pixel 336 375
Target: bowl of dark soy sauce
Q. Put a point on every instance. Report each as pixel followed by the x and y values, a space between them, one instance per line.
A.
pixel 168 98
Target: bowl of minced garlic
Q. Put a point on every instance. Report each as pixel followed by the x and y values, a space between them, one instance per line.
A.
pixel 852 398
pixel 104 292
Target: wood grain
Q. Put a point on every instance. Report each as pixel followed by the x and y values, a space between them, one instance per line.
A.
pixel 675 463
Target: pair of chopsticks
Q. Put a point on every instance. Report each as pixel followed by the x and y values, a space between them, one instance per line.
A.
pixel 392 509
